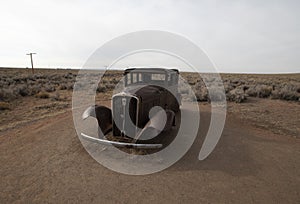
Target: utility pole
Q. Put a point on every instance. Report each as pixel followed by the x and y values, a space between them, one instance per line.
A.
pixel 31 60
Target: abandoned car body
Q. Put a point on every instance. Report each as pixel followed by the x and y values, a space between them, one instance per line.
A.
pixel 145 107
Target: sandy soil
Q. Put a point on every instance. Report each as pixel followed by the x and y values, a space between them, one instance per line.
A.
pixel 44 161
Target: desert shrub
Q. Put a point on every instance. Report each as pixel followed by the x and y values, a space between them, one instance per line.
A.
pixel 251 91
pixel 9 81
pixel 7 94
pixel 55 77
pixel 49 88
pixel 2 83
pixel 201 93
pixel 275 94
pixel 16 79
pixel 4 105
pixel 264 91
pixel 56 97
pixel 236 95
pixel 34 89
pixel 236 81
pixel 30 78
pixel 69 86
pixel 42 95
pixel 101 88
pixel 41 80
pixel 57 83
pixel 68 75
pixel 114 81
pixel 31 83
pixel 289 94
pixel 215 94
pixel 104 81
pixel 228 87
pixel 110 86
pixel 62 87
pixel 23 90
pixel 191 83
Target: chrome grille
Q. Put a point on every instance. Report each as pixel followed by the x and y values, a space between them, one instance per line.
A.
pixel 124 115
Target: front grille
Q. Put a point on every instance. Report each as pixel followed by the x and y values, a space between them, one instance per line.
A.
pixel 124 115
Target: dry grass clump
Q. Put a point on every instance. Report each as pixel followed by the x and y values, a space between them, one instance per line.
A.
pixel 62 87
pixel 4 105
pixel 42 95
pixel 57 97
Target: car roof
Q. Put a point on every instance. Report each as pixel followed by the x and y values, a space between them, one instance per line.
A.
pixel 152 70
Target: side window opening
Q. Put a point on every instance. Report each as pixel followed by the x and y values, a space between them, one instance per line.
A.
pixel 140 77
pixel 128 79
pixel 134 78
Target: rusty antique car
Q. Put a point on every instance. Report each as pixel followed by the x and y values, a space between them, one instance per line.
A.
pixel 146 107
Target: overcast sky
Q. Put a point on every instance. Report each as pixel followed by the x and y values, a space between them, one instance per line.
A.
pixel 238 36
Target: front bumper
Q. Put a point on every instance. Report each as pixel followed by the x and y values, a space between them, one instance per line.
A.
pixel 120 144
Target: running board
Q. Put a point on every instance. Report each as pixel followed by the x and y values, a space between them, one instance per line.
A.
pixel 120 144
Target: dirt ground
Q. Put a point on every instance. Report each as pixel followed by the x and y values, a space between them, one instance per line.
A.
pixel 257 160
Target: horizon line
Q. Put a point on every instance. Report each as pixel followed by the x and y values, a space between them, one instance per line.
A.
pixel 115 69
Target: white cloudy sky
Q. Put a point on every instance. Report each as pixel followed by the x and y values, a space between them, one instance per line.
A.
pixel 239 36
